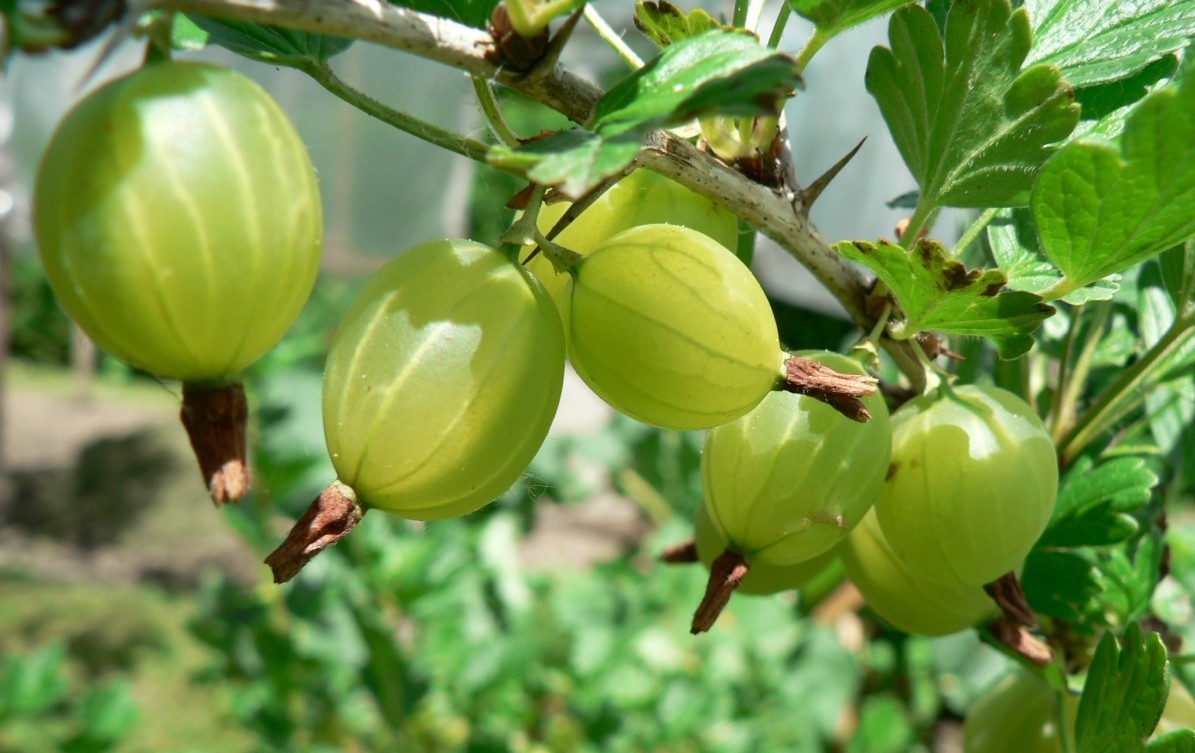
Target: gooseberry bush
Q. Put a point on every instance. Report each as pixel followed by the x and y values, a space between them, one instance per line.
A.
pixel 1001 449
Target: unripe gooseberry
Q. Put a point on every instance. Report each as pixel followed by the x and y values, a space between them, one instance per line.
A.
pixel 762 578
pixel 787 481
pixel 670 328
pixel 1020 714
pixel 442 381
pixel 178 219
pixel 641 198
pixel 972 483
pixel 441 384
pixel 902 597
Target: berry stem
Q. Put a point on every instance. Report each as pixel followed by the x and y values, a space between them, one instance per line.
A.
pixel 782 17
pixel 842 392
pixel 493 113
pixel 215 420
pixel 683 553
pixel 333 514
pixel 726 573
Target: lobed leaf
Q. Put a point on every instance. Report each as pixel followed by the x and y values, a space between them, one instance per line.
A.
pixel 1060 584
pixel 832 17
pixel 973 127
pixel 937 292
pixel 1107 106
pixel 664 23
pixel 1100 210
pixel 718 70
pixel 1094 502
pixel 1013 240
pixel 1125 692
pixel 1097 41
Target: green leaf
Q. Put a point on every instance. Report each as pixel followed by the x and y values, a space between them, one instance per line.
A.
pixel 1177 741
pixel 1178 274
pixel 883 727
pixel 1100 210
pixel 1128 574
pixel 972 126
pixel 1125 483
pixel 268 43
pixel 1060 584
pixel 1096 41
pixel 720 71
pixel 475 13
pixel 1106 107
pixel 1013 240
pixel 1124 694
pixel 574 160
pixel 34 682
pixel 664 23
pixel 1156 316
pixel 107 712
pixel 937 292
pixel 834 16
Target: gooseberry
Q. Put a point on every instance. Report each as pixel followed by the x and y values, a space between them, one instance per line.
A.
pixel 762 578
pixel 972 483
pixel 901 596
pixel 440 386
pixel 1021 713
pixel 178 218
pixel 670 328
pixel 788 480
pixel 641 198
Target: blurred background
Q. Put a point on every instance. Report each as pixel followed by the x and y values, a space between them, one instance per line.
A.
pixel 135 617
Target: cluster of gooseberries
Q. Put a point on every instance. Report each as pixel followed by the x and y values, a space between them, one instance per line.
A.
pixel 179 221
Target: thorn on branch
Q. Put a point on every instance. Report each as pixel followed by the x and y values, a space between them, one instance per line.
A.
pixel 810 193
pixel 842 392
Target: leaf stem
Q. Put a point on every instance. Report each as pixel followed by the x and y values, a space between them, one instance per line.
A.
pixel 739 19
pixel 611 37
pixel 493 113
pixel 1072 389
pixel 453 142
pixel 921 218
pixel 782 17
pixel 812 45
pixel 972 232
pixel 1126 393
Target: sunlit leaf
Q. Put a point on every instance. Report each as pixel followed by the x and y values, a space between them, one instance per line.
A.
pixel 971 124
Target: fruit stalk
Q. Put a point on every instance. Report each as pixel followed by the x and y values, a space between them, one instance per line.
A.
pixel 680 554
pixel 726 573
pixel 333 514
pixel 842 392
pixel 215 420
